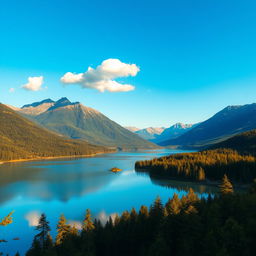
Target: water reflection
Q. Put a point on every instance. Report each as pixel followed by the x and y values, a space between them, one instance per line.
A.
pixel 184 186
pixel 56 182
pixel 70 187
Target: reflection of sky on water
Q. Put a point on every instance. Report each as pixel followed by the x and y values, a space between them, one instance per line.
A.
pixel 70 187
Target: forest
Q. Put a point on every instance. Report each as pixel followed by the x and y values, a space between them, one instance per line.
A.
pixel 221 225
pixel 22 139
pixel 199 166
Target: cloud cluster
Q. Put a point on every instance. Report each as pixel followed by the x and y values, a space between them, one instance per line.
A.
pixel 34 83
pixel 11 90
pixel 103 77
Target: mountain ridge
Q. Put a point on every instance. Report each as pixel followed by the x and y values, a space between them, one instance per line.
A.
pixel 224 124
pixel 21 138
pixel 77 121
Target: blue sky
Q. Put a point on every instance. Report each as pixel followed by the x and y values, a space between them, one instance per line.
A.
pixel 195 57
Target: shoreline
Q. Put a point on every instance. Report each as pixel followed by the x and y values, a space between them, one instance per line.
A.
pixel 53 157
pixel 206 182
pixel 69 156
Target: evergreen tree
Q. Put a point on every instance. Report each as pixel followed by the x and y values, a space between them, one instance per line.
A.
pixel 74 231
pixel 125 216
pixel 201 174
pixel 191 196
pixel 43 236
pixel 226 187
pixel 143 211
pixel 63 229
pixel 42 241
pixel 157 209
pixel 88 223
pixel 35 249
pixel 173 206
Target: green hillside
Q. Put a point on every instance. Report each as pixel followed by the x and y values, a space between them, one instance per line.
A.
pixel 22 139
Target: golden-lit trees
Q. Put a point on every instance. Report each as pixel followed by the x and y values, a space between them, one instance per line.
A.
pixel 198 166
pixel 226 186
pixel 6 220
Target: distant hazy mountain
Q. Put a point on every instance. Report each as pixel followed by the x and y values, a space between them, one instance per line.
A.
pixel 132 128
pixel 21 138
pixel 173 132
pixel 78 121
pixel 149 133
pixel 226 123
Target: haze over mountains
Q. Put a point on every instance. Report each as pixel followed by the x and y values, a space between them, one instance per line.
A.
pixel 77 121
pixel 149 133
pixel 159 134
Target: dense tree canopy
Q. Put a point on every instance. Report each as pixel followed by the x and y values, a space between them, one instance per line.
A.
pixel 208 164
pixel 220 225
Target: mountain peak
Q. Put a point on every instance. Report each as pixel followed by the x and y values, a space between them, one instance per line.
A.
pixel 63 102
pixel 181 126
pixel 35 104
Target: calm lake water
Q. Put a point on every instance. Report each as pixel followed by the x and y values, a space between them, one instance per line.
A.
pixel 71 186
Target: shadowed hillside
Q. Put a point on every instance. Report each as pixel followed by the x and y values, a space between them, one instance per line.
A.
pixel 230 121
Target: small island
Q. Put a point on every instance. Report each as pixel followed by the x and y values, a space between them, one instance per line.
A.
pixel 115 169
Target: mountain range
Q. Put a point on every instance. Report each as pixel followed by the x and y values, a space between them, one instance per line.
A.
pixel 21 138
pixel 149 133
pixel 223 125
pixel 160 134
pixel 77 121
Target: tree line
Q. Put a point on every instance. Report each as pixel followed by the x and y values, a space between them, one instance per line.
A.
pixel 220 225
pixel 198 166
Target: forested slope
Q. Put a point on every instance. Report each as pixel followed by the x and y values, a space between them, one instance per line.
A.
pixel 22 139
pixel 234 157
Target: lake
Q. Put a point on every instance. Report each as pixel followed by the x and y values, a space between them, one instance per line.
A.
pixel 70 186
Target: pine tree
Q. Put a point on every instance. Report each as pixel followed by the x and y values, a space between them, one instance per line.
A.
pixel 63 229
pixel 157 209
pixel 143 211
pixel 43 236
pixel 74 231
pixel 88 223
pixel 191 196
pixel 226 186
pixel 173 206
pixel 201 174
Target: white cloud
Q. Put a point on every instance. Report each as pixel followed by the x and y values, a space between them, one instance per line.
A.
pixel 103 77
pixel 34 83
pixel 11 90
pixel 32 218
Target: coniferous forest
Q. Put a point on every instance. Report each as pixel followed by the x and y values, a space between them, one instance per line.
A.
pixel 220 225
pixel 235 157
